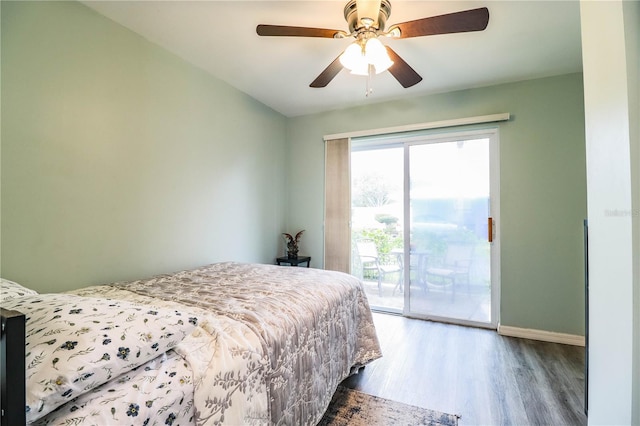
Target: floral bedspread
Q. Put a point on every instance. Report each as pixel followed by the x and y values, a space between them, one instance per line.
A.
pixel 272 342
pixel 159 392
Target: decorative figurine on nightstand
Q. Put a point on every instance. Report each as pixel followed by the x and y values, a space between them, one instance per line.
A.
pixel 292 244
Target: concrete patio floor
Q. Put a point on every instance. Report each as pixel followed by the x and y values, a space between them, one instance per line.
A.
pixel 472 303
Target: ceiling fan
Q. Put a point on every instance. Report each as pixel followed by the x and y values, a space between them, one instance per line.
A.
pixel 367 20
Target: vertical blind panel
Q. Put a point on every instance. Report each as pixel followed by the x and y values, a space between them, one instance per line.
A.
pixel 337 213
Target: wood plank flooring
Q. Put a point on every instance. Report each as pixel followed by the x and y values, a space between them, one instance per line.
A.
pixel 485 378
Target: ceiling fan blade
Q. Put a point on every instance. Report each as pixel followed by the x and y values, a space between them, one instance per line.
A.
pixel 457 22
pixel 328 74
pixel 368 9
pixel 284 30
pixel 402 71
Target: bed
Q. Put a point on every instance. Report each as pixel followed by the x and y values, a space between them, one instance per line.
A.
pixel 227 343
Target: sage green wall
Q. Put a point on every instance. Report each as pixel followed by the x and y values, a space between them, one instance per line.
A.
pixel 543 187
pixel 120 160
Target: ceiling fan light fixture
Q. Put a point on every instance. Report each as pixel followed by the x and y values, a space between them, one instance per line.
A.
pixel 361 69
pixel 361 72
pixel 383 65
pixel 357 58
pixel 376 55
pixel 352 57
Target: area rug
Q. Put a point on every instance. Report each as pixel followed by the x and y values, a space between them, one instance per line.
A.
pixel 353 408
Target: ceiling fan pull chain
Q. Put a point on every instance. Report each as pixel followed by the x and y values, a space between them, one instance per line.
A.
pixel 369 73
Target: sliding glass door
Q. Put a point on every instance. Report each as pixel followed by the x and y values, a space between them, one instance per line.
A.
pixel 449 199
pixel 377 217
pixel 421 214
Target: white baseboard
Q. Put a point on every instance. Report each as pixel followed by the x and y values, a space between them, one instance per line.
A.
pixel 545 336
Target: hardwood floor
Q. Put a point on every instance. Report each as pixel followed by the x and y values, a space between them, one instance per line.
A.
pixel 485 378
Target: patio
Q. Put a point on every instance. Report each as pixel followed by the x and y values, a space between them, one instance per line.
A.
pixel 470 304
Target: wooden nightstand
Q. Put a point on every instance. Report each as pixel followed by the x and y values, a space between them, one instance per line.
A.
pixel 293 262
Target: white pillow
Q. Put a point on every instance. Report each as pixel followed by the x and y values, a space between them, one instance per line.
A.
pixel 10 290
pixel 74 344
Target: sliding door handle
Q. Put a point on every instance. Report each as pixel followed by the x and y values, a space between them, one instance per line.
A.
pixel 490 223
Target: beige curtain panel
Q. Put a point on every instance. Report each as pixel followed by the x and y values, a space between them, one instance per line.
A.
pixel 337 213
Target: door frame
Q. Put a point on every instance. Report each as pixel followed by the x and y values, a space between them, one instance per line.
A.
pixel 494 211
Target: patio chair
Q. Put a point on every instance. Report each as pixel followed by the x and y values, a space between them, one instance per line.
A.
pixel 370 261
pixel 454 269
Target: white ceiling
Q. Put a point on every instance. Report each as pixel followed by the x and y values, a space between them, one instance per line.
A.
pixel 524 40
